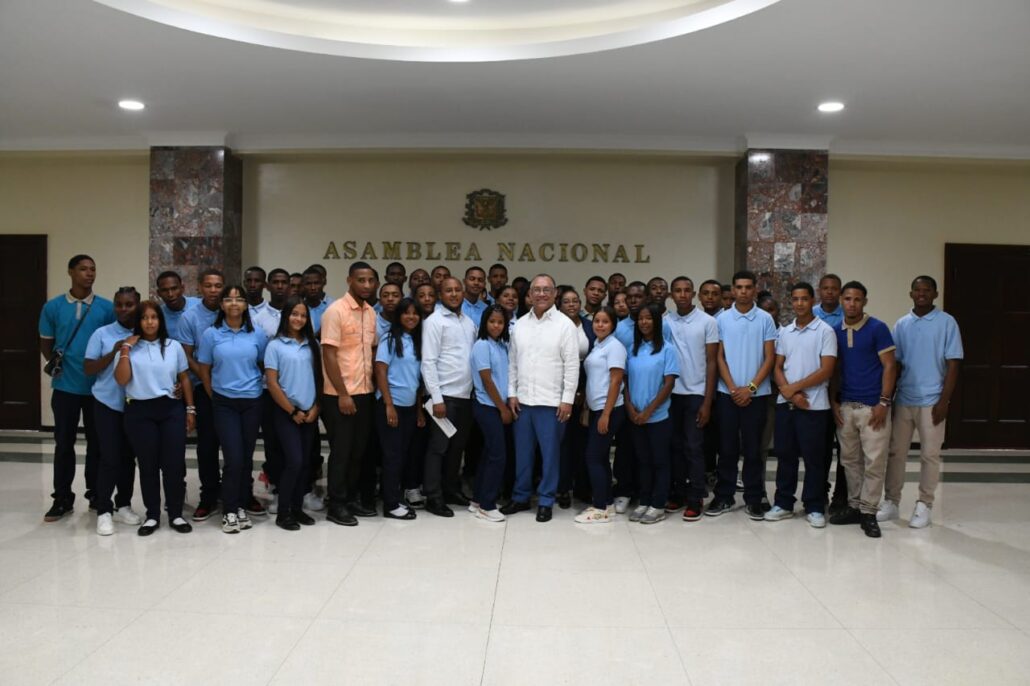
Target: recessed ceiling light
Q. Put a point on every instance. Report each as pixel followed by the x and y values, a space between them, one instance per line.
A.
pixel 134 105
pixel 832 106
pixel 459 2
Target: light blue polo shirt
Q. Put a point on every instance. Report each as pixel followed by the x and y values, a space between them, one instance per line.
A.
pixel 317 312
pixel 154 375
pixel 802 349
pixel 924 346
pixel 57 321
pixel 382 326
pixel 646 373
pixel 834 319
pixel 292 360
pixel 234 357
pixel 690 334
pixel 606 355
pixel 402 373
pixel 105 389
pixel 473 311
pixel 173 318
pixel 743 336
pixel 492 355
pixel 624 332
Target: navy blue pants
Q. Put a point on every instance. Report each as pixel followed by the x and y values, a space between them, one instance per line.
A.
pixel 67 407
pixel 625 466
pixel 654 465
pixel 412 475
pixel 740 434
pixel 237 421
pixel 294 459
pixel 270 439
pixel 396 447
pixel 573 474
pixel 537 424
pixel 117 461
pixel 207 448
pixel 157 430
pixel 598 456
pixel 801 433
pixel 490 471
pixel 688 449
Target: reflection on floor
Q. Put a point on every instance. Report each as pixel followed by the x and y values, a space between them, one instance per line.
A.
pixel 462 601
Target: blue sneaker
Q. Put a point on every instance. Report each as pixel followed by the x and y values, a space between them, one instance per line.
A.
pixel 816 520
pixel 777 513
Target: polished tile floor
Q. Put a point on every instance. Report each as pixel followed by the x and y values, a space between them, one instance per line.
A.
pixel 461 601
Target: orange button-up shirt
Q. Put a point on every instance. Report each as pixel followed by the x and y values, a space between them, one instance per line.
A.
pixel 351 328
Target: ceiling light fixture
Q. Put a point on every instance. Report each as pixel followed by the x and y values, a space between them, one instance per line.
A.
pixel 134 105
pixel 832 106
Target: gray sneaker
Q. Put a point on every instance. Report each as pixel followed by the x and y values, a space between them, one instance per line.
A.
pixel 243 519
pixel 653 515
pixel 636 514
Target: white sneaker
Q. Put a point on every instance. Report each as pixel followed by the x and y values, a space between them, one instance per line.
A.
pixel 493 515
pixel 230 524
pixel 473 507
pixel 920 516
pixel 653 515
pixel 636 514
pixel 313 502
pixel 273 505
pixel 621 504
pixel 777 513
pixel 243 519
pixel 105 524
pixel 610 510
pixel 817 520
pixel 125 515
pixel 592 515
pixel 887 511
pixel 414 497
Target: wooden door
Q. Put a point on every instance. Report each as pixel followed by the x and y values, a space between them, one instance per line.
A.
pixel 22 294
pixel 987 289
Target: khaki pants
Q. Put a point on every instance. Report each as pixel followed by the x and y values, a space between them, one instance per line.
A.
pixel 907 420
pixel 863 451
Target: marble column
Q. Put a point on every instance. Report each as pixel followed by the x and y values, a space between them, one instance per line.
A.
pixel 781 219
pixel 196 204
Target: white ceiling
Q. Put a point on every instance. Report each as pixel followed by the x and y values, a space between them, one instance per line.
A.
pixel 923 77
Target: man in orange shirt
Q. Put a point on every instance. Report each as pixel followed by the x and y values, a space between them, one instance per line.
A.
pixel 348 339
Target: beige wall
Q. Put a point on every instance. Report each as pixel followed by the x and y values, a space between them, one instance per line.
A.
pixel 677 207
pixel 95 204
pixel 889 220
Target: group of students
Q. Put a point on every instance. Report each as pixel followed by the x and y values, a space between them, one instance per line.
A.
pixel 428 382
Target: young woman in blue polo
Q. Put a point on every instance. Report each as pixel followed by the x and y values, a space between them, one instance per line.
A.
pixel 230 356
pixel 398 401
pixel 490 408
pixel 652 369
pixel 293 372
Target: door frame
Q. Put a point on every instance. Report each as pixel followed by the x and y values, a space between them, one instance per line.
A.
pixel 37 285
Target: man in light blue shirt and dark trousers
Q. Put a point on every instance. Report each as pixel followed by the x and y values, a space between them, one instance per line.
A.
pixel 65 325
pixel 929 350
pixel 747 352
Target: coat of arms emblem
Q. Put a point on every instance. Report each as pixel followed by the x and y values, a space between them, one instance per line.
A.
pixel 484 209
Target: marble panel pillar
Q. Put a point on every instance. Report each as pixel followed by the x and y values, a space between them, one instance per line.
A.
pixel 196 204
pixel 780 219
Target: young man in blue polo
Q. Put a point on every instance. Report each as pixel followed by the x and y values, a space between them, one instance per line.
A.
pixel 65 325
pixel 747 337
pixel 865 378
pixel 929 353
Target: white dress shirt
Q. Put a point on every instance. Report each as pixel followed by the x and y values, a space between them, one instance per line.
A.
pixel 543 360
pixel 447 340
pixel 267 319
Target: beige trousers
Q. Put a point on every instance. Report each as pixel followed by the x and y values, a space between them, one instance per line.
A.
pixel 863 452
pixel 909 419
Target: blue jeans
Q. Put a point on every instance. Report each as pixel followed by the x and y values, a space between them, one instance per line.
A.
pixel 490 472
pixel 688 449
pixel 237 421
pixel 740 433
pixel 654 470
pixel 598 456
pixel 537 424
pixel 801 433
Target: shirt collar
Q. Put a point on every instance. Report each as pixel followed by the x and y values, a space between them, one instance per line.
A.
pixel 811 325
pixel 352 302
pixel 929 316
pixel 854 327
pixel 547 315
pixel 750 314
pixel 673 314
pixel 72 299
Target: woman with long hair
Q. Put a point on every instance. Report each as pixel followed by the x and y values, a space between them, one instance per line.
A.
pixel 150 365
pixel 293 373
pixel 230 357
pixel 490 409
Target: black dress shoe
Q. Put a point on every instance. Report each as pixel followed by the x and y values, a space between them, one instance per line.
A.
pixel 456 499
pixel 848 515
pixel 513 507
pixel 358 509
pixel 183 528
pixel 339 514
pixel 870 526
pixel 285 520
pixel 303 518
pixel 59 509
pixel 439 508
pixel 147 530
pixel 564 500
pixel 409 514
pixel 543 514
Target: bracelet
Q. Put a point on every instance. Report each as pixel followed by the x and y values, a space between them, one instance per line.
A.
pixel 191 410
pixel 191 407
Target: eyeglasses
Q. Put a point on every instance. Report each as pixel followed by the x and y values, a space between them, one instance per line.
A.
pixel 541 290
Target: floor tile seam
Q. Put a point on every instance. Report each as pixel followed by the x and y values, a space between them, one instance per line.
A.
pixel 955 586
pixel 110 638
pixel 189 577
pixel 665 619
pixel 493 606
pixel 33 577
pixel 347 574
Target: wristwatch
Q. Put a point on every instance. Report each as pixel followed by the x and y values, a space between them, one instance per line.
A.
pixel 752 387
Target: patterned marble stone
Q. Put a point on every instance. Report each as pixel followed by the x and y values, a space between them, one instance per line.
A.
pixel 781 207
pixel 196 203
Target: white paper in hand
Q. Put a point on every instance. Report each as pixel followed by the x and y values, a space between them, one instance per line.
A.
pixel 445 424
